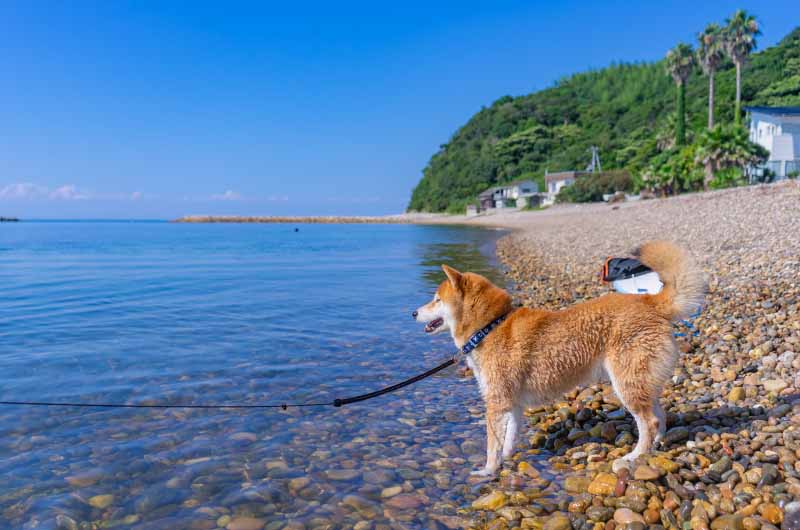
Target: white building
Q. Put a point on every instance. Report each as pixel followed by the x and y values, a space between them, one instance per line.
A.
pixel 499 196
pixel 778 130
pixel 556 181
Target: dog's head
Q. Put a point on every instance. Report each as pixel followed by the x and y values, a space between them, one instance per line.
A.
pixel 462 304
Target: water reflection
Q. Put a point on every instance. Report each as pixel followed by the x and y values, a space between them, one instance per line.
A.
pixel 472 255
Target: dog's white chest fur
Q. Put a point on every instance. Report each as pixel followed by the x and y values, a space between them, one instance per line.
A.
pixel 475 367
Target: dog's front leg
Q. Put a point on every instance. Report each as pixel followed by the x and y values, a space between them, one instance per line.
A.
pixel 496 422
pixel 512 429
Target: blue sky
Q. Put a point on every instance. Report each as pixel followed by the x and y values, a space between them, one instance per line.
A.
pixel 149 109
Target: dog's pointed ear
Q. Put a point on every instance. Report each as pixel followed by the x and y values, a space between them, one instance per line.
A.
pixel 453 275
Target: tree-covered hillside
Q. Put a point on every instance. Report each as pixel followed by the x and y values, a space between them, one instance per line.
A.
pixel 626 109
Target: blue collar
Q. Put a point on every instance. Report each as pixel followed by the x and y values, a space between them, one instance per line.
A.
pixel 481 334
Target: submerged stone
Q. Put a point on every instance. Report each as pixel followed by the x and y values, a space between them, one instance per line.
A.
pixel 603 484
pixel 490 501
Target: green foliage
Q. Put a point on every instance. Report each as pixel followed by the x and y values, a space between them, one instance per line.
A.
pixel 711 48
pixel 728 178
pixel 680 116
pixel 785 91
pixel 716 160
pixel 680 62
pixel 673 171
pixel 619 109
pixel 517 154
pixel 724 148
pixel 710 55
pixel 740 35
pixel 592 186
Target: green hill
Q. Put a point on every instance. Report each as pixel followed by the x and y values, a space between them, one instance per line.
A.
pixel 625 109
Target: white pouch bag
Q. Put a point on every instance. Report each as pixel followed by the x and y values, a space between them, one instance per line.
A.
pixel 647 283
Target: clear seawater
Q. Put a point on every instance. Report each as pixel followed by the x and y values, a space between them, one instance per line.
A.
pixel 155 312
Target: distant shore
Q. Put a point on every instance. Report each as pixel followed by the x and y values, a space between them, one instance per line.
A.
pixel 405 218
pixel 502 218
pixel 508 218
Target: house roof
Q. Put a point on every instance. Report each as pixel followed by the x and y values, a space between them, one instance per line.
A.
pixel 775 111
pixel 561 175
pixel 490 191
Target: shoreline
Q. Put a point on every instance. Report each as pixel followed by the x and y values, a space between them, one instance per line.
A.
pixel 405 218
pixel 509 218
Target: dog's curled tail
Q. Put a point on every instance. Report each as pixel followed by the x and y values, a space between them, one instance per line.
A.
pixel 684 284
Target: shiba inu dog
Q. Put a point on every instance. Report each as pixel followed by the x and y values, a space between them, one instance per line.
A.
pixel 534 356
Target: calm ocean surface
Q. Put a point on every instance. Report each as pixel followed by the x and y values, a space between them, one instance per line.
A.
pixel 146 312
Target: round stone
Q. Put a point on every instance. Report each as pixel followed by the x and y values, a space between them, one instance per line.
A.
pixel 623 516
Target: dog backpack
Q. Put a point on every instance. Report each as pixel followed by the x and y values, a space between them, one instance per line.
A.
pixel 631 276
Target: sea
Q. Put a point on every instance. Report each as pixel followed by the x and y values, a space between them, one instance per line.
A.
pixel 205 314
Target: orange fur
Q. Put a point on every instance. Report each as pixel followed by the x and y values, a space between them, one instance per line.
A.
pixel 535 356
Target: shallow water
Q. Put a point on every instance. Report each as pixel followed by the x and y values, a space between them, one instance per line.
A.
pixel 175 313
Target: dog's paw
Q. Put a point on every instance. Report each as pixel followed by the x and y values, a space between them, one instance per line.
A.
pixel 630 457
pixel 619 464
pixel 483 472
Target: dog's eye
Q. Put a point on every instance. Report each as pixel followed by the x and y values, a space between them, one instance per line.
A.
pixel 437 300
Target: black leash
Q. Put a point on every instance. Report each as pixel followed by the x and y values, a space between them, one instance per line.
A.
pixel 364 397
pixel 338 402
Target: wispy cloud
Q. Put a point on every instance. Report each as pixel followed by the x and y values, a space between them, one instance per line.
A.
pixel 70 192
pixel 23 190
pixel 229 195
pixel 66 192
pixel 30 191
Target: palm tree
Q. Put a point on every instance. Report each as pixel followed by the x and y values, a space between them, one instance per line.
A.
pixel 710 54
pixel 740 40
pixel 680 61
pixel 724 147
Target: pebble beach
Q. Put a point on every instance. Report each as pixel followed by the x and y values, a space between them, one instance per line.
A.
pixel 731 455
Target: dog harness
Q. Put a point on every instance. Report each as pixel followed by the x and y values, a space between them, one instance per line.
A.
pixel 630 276
pixel 623 268
pixel 481 334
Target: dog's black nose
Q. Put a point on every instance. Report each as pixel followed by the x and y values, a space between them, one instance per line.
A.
pixel 414 314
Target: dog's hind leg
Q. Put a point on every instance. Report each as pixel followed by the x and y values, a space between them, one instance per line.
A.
pixel 638 386
pixel 512 429
pixel 647 425
pixel 662 420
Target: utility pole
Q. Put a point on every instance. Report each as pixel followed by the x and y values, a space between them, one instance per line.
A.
pixel 595 166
